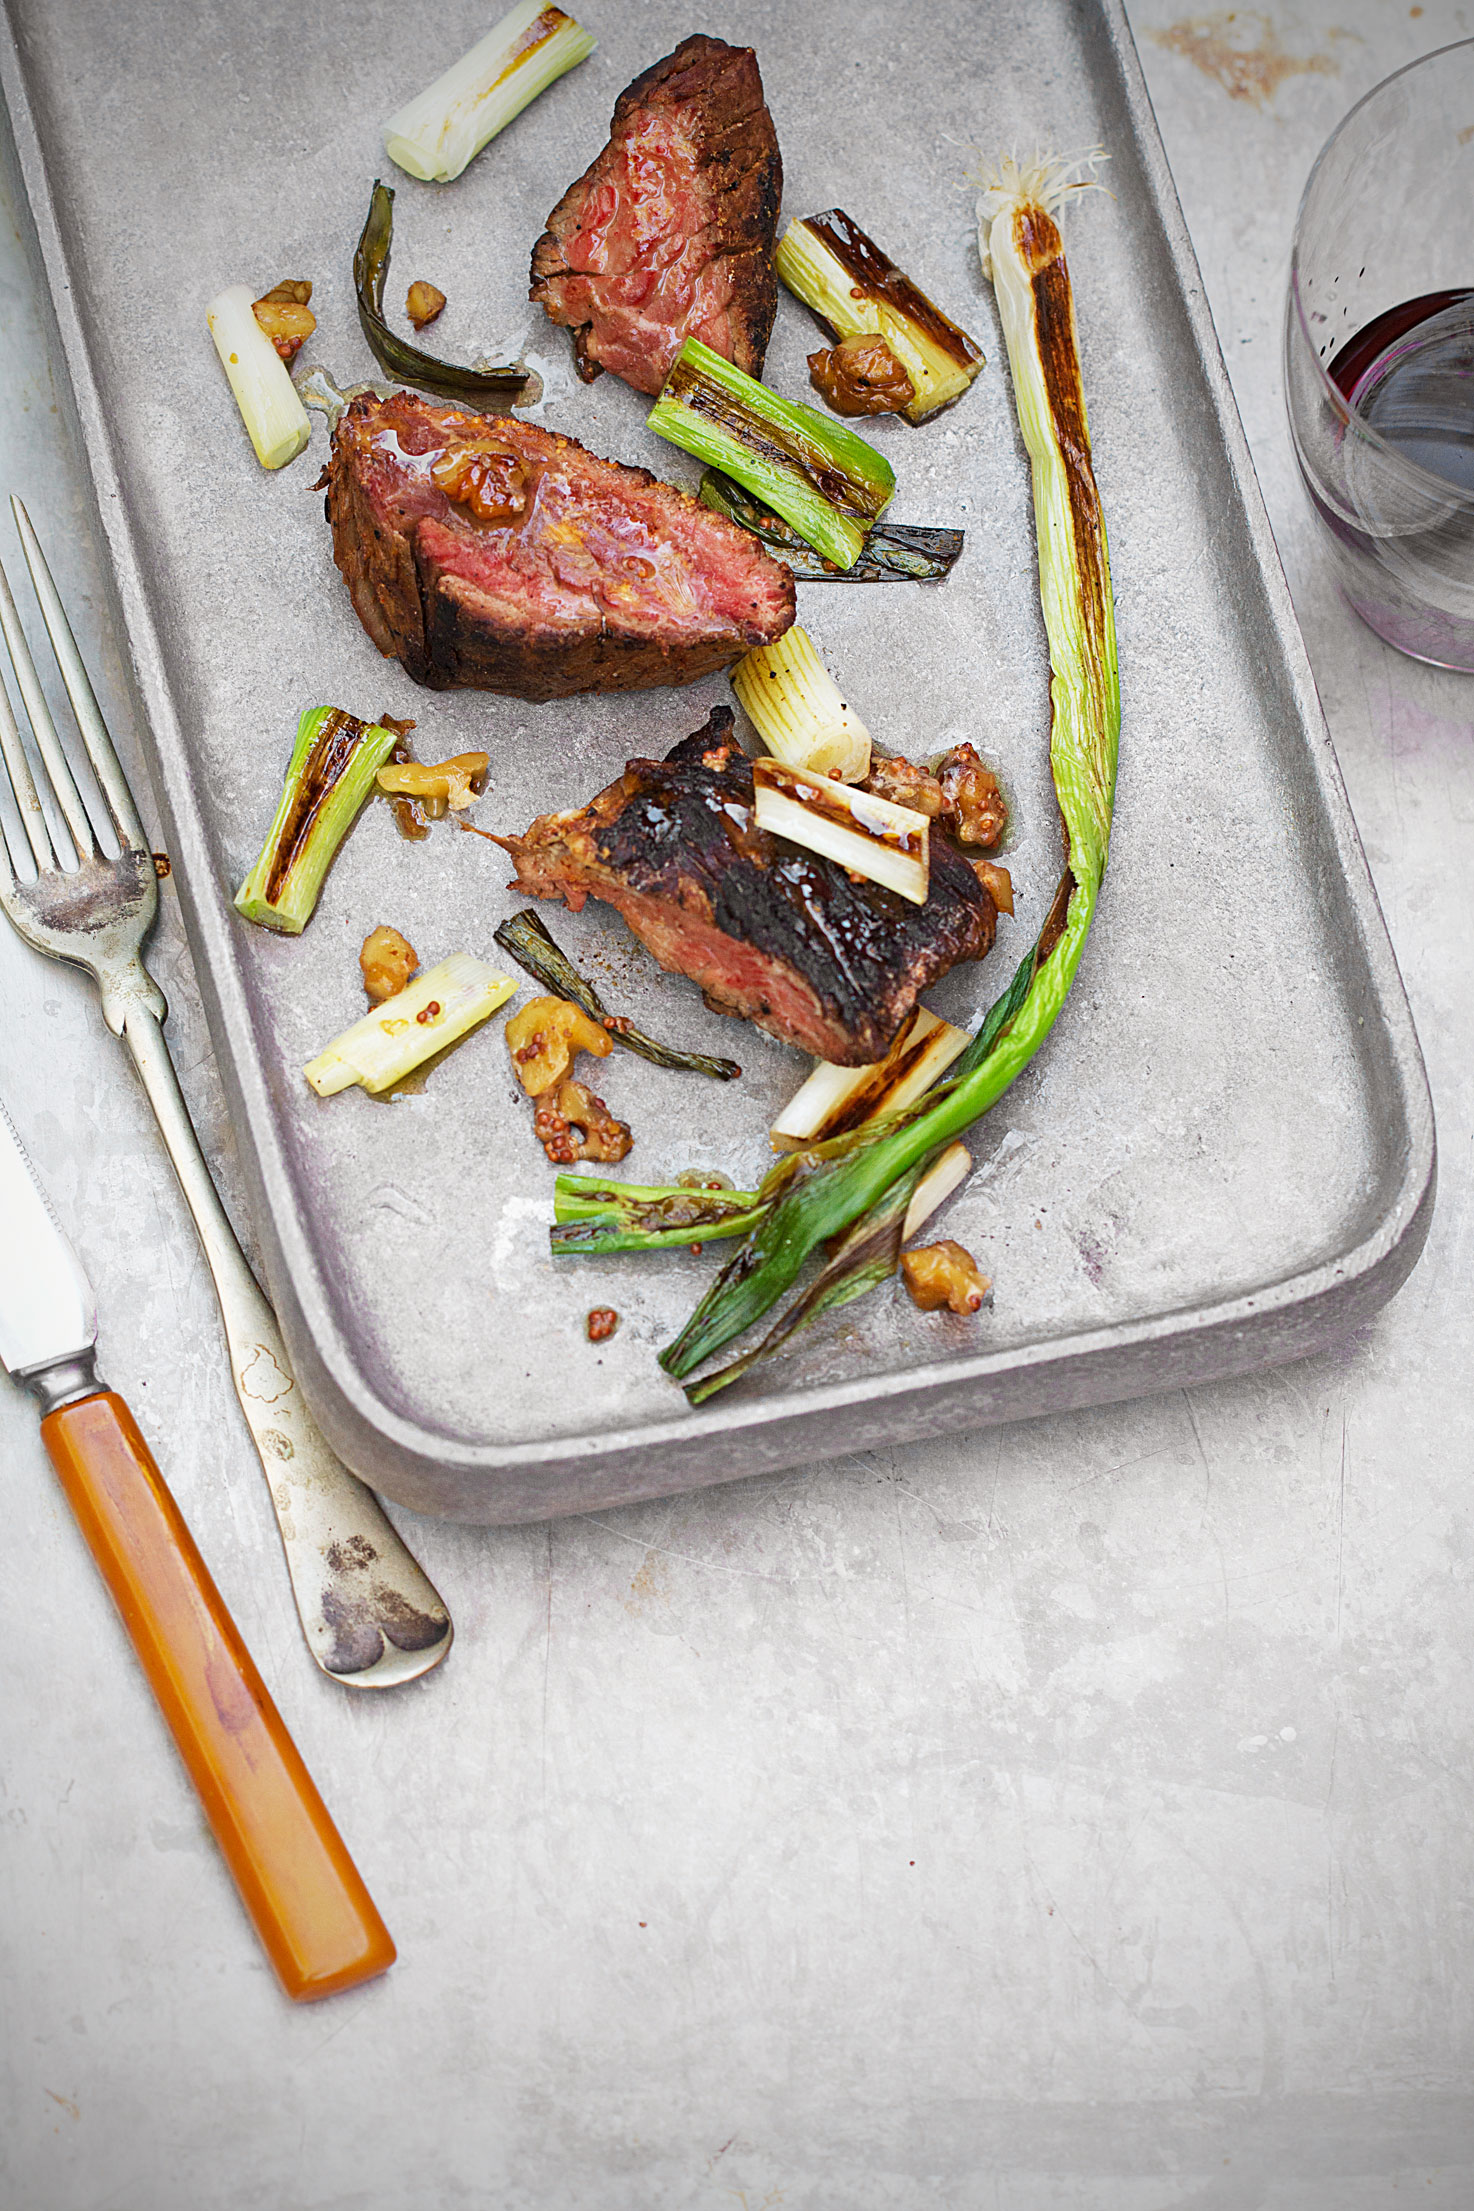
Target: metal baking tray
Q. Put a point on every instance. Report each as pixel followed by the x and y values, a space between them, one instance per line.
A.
pixel 1225 1154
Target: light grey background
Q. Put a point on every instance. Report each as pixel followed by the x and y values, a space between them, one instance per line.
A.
pixel 1069 1818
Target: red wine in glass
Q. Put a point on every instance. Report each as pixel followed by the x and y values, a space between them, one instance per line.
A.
pixel 1409 374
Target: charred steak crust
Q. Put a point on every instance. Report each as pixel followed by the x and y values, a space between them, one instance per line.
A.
pixel 607 580
pixel 770 931
pixel 669 234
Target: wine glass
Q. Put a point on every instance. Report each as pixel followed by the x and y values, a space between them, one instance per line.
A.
pixel 1379 355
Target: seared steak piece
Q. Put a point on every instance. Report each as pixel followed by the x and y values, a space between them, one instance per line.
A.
pixel 670 234
pixel 768 930
pixel 485 552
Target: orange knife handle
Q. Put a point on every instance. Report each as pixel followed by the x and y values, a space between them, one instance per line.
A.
pixel 311 1909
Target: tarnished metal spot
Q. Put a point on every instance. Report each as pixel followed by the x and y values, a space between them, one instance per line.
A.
pixel 357 1644
pixel 352 1556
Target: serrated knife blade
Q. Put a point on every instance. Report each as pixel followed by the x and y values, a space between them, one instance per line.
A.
pixel 48 1316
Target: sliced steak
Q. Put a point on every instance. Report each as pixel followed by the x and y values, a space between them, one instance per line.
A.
pixel 669 235
pixel 769 931
pixel 484 552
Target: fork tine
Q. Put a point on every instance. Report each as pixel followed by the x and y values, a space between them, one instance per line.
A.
pixel 68 798
pixel 106 765
pixel 18 768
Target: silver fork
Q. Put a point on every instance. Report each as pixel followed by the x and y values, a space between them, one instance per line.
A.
pixel 370 1615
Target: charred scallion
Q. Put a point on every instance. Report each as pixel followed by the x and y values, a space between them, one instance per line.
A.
pixel 852 1192
pixel 331 772
pixel 595 1217
pixel 496 389
pixel 894 552
pixel 832 266
pixel 533 948
pixel 828 483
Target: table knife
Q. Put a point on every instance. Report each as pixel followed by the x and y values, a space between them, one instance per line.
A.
pixel 314 1915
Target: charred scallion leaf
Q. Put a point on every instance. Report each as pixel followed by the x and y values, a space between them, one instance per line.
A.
pixel 832 266
pixel 331 772
pixel 497 389
pixel 832 1195
pixel 894 552
pixel 866 1256
pixel 531 946
pixel 828 483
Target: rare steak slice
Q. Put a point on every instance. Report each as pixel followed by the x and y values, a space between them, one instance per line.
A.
pixel 821 959
pixel 670 234
pixel 485 552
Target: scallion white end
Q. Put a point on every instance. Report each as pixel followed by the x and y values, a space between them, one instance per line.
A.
pixel 435 1010
pixel 886 843
pixel 942 1177
pixel 274 416
pixel 799 711
pixel 445 127
pixel 837 1099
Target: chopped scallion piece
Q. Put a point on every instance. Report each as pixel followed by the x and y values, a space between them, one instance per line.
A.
pixel 797 709
pixel 443 129
pixel 275 418
pixel 832 266
pixel 493 388
pixel 888 844
pixel 595 1217
pixel 819 476
pixel 331 772
pixel 434 1011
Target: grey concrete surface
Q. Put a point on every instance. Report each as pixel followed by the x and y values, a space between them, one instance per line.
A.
pixel 1073 1817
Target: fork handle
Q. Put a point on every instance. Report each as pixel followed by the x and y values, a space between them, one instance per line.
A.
pixel 370 1614
pixel 316 1919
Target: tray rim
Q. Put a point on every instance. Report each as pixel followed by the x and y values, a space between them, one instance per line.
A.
pixel 1283 1319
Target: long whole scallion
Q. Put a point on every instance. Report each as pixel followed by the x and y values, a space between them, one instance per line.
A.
pixel 826 1197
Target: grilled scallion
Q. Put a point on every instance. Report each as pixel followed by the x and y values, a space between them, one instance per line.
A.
pixel 496 388
pixel 595 1217
pixel 852 1192
pixel 331 772
pixel 832 266
pixel 799 711
pixel 894 552
pixel 819 476
pixel 533 948
pixel 275 419
pixel 424 1019
pixel 446 126
pixel 888 844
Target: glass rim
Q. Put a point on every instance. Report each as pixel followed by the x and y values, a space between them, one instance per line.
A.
pixel 1341 405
